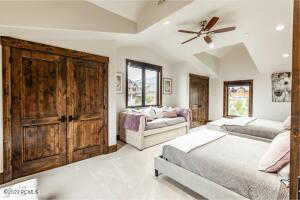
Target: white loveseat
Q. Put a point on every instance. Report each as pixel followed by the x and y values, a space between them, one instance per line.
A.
pixel 155 132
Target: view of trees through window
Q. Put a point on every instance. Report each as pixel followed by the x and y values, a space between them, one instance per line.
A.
pixel 134 86
pixel 142 85
pixel 151 87
pixel 238 100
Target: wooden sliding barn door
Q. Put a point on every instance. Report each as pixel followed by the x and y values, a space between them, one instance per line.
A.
pixel 38 111
pixel 87 109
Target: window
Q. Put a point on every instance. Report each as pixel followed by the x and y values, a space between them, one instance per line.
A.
pixel 238 98
pixel 143 84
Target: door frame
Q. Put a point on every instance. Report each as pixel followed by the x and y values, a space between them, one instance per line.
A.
pixel 7 43
pixel 295 121
pixel 204 78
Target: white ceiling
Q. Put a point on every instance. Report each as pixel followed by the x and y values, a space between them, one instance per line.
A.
pixel 130 9
pixel 256 21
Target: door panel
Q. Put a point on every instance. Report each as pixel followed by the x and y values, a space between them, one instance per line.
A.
pixel 86 107
pixel 199 87
pixel 203 88
pixel 40 142
pixel 38 102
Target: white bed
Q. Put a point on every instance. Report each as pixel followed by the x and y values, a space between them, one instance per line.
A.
pixel 249 126
pixel 224 168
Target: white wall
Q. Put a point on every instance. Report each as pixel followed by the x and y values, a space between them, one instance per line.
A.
pixel 73 15
pixel 183 70
pixel 238 65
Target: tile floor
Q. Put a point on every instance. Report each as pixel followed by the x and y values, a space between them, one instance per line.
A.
pixel 125 174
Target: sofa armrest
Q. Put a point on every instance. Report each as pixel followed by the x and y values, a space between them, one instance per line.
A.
pixel 142 124
pixel 186 113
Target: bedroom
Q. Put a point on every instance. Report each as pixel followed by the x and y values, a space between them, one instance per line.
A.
pixel 121 36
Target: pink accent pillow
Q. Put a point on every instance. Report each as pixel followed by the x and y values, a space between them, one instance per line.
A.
pixel 278 154
pixel 287 123
pixel 170 114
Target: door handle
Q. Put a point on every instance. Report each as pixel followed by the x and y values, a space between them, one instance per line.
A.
pixel 62 119
pixel 71 118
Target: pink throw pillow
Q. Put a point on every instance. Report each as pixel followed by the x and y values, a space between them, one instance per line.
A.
pixel 287 123
pixel 278 154
pixel 170 114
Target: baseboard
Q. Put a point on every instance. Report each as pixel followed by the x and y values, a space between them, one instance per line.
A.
pixel 1 178
pixel 112 148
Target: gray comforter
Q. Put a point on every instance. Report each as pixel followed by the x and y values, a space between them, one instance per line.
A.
pixel 258 128
pixel 232 162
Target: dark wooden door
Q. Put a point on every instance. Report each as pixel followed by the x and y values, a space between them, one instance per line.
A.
pixel 87 115
pixel 199 96
pixel 38 110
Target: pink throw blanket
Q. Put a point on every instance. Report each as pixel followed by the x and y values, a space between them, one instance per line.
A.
pixel 132 121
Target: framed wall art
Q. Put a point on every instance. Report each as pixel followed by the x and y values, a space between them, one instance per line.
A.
pixel 167 86
pixel 281 87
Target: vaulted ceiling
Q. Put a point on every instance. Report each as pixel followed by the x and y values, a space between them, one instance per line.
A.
pixel 143 22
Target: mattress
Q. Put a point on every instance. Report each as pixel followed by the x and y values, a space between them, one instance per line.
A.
pixel 164 122
pixel 231 162
pixel 238 121
pixel 258 128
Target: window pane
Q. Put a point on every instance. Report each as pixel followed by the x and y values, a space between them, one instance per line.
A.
pixel 151 87
pixel 238 100
pixel 134 86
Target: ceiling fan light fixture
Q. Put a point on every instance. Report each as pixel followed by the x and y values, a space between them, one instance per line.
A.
pixel 211 45
pixel 159 2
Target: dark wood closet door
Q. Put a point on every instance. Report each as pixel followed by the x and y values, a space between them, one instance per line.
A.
pixel 87 127
pixel 199 89
pixel 38 110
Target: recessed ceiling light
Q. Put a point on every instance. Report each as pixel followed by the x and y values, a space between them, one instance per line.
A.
pixel 280 27
pixel 211 45
pixel 285 55
pixel 166 22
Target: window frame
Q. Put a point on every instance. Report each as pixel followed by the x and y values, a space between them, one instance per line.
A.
pixel 145 66
pixel 237 83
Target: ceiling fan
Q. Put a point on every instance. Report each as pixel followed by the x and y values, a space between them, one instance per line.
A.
pixel 206 27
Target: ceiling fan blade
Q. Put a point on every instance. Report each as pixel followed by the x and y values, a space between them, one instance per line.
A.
pixel 207 39
pixel 211 23
pixel 189 40
pixel 223 30
pixel 185 31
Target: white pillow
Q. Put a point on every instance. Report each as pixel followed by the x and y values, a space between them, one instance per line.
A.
pixel 287 123
pixel 150 113
pixel 277 155
pixel 159 112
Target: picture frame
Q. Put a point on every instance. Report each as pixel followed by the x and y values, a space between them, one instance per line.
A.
pixel 119 82
pixel 281 87
pixel 167 86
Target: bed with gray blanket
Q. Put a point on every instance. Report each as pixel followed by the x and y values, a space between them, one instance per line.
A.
pixel 260 128
pixel 230 162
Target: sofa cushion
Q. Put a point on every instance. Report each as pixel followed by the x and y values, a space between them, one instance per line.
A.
pixel 170 114
pixel 163 122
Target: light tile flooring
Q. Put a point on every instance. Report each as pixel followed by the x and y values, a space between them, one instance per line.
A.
pixel 125 174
